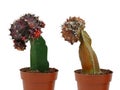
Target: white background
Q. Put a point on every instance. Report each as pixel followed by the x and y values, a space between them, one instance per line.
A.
pixel 102 23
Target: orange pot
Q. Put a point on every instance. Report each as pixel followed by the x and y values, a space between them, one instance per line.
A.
pixel 93 82
pixel 37 80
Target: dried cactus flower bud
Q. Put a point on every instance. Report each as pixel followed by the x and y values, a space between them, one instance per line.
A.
pixel 71 29
pixel 26 28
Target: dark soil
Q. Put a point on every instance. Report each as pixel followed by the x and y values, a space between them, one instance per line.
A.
pixel 27 69
pixel 103 71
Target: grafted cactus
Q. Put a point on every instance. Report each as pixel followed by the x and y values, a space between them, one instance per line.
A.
pixel 73 31
pixel 28 27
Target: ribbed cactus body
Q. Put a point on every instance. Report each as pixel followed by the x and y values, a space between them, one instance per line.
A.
pixel 38 55
pixel 87 55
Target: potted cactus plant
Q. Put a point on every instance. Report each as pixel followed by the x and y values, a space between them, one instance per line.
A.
pixel 91 76
pixel 39 76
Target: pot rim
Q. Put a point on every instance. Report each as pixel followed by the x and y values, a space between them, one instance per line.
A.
pixel 23 70
pixel 78 71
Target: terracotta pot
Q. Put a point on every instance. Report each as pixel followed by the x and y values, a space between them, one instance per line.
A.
pixel 37 80
pixel 93 82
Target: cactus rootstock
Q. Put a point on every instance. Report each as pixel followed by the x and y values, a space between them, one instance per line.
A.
pixel 38 55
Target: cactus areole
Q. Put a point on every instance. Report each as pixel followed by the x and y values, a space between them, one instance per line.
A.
pixel 73 31
pixel 28 28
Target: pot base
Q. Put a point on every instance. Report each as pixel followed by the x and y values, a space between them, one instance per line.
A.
pixel 93 82
pixel 37 80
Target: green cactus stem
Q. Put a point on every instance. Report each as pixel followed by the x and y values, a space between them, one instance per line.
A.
pixel 87 55
pixel 38 55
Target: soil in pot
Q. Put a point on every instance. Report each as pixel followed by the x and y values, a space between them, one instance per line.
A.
pixel 93 82
pixel 37 80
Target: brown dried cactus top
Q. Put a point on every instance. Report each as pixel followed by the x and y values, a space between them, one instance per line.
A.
pixel 71 29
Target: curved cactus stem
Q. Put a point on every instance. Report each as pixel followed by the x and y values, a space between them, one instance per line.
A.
pixel 87 55
pixel 38 55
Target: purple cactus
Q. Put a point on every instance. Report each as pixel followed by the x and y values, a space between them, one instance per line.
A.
pixel 26 28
